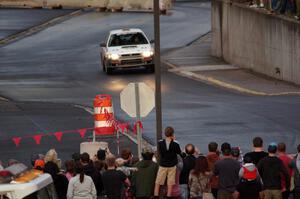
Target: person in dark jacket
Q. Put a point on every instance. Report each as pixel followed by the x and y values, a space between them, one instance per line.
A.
pixel 89 170
pixel 188 165
pixel 143 180
pixel 59 179
pixel 271 169
pixel 258 152
pixel 168 150
pixel 227 169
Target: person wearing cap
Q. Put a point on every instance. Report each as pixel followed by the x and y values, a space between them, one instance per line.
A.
pixel 258 152
pixel 250 186
pixel 227 169
pixel 143 179
pixel 272 170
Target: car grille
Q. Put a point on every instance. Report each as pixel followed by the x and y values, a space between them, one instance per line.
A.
pixel 131 55
pixel 131 61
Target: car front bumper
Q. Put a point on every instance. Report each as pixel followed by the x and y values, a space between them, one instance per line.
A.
pixel 130 63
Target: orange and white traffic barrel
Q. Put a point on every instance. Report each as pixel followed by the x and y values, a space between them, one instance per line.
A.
pixel 103 115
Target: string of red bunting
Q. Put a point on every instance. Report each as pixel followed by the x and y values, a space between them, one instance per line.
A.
pixel 121 127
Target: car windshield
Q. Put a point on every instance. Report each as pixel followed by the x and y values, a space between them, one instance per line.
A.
pixel 127 39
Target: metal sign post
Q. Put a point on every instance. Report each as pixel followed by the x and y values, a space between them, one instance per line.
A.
pixel 157 70
pixel 138 118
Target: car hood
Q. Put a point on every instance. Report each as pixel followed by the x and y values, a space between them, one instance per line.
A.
pixel 129 49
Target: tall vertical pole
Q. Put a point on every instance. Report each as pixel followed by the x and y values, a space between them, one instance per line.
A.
pixel 138 118
pixel 157 70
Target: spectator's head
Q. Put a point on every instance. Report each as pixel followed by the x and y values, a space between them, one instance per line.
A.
pixel 213 147
pixel 76 157
pixel 169 132
pixel 70 166
pixel 39 164
pixel 281 147
pixel 119 162
pixel 126 154
pixel 147 153
pixel 99 165
pixel 247 159
pixel 85 158
pixel 190 149
pixel 101 154
pixel 226 149
pixel 201 165
pixel 33 158
pixel 51 155
pixel 235 152
pixel 272 149
pixel 298 148
pixel 51 168
pixel 258 142
pixel 111 161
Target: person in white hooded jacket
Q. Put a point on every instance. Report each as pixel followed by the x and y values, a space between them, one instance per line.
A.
pixel 81 186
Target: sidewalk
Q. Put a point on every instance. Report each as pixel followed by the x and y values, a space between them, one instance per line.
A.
pixel 194 61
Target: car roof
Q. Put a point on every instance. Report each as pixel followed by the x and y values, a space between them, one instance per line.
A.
pixel 125 31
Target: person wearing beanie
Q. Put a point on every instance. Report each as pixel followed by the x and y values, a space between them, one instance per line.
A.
pixel 228 171
pixel 250 186
pixel 143 180
pixel 272 170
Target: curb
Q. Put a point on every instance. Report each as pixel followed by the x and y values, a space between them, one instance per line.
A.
pixel 216 82
pixel 38 28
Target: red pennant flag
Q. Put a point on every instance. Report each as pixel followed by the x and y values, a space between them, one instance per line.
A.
pixel 37 139
pixel 123 127
pixel 58 135
pixel 17 141
pixel 82 132
pixel 135 127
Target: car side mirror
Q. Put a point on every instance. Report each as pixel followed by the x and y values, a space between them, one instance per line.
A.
pixel 102 45
pixel 152 41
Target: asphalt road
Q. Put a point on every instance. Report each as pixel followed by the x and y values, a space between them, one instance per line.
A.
pixel 61 64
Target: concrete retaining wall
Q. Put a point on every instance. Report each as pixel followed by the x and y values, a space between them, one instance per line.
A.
pixel 252 39
pixel 125 4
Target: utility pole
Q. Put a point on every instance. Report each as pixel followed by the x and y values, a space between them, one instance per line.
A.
pixel 157 70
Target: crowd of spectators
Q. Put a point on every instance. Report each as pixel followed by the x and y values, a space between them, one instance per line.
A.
pixel 188 174
pixel 284 7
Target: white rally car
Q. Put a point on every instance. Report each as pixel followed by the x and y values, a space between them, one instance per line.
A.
pixel 126 48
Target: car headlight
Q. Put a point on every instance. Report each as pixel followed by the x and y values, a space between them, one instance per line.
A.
pixel 147 53
pixel 113 56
